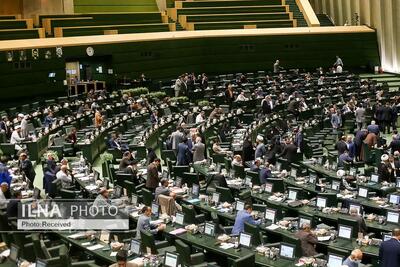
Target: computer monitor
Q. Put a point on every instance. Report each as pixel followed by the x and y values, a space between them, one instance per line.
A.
pixel 117 191
pixel 335 185
pixel 155 209
pixel 106 183
pixel 171 259
pixel 40 263
pixel 312 178
pixel 239 205
pixel 386 236
pixel 293 172
pixel 363 192
pixel 179 218
pixel 96 175
pixel 278 166
pixel 209 229
pixel 268 187
pixel 334 260
pixel 245 240
pixel 398 183
pixel 374 178
pixel 392 217
pixel 36 193
pixel 195 190
pixel 278 184
pixel 358 207
pixel 178 182
pixel 292 193
pixel 225 194
pixel 331 199
pixel 135 247
pixel 165 174
pixel 215 197
pixel 134 200
pixel 287 251
pixel 345 231
pixel 303 221
pixel 105 236
pixel 14 252
pixel 352 171
pixel 270 215
pixel 394 199
pixel 321 202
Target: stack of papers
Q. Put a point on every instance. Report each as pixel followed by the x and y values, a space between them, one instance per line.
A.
pixel 273 227
pixel 77 235
pixel 324 238
pixel 178 231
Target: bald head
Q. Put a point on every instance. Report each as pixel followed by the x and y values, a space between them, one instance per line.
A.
pixel 356 254
pixel 64 168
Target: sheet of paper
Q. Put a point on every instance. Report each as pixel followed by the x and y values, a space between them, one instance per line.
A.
pixel 324 238
pixel 86 244
pixel 272 227
pixel 77 235
pixel 113 254
pixel 227 245
pixel 98 246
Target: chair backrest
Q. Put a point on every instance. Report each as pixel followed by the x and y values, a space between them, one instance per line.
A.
pixel 130 187
pixel 255 233
pixel 180 170
pixel 239 171
pixel 8 149
pixel 228 163
pixel 147 197
pixel 167 205
pixel 122 177
pixel 246 261
pixel 190 214
pixel 255 177
pixel 190 178
pixel 148 242
pixel 37 246
pixel 225 194
pixel 68 194
pixel 64 257
pixel 184 252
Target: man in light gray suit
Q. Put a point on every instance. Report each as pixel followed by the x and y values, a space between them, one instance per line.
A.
pixel 198 150
pixel 102 199
pixel 144 223
pixel 360 117
pixel 260 149
pixel 176 138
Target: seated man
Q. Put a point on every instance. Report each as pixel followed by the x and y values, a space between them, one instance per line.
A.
pixel 308 240
pixel 12 206
pixel 354 259
pixel 163 189
pixel 242 217
pixel 255 167
pixel 64 177
pixel 265 173
pixel 145 224
pixel 362 227
pixel 344 158
pixel 122 260
pixel 102 200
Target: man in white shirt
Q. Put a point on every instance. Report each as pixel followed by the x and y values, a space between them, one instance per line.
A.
pixel 241 97
pixel 16 137
pixel 3 199
pixel 63 176
pixel 200 117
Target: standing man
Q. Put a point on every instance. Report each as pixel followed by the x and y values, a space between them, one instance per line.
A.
pixel 277 66
pixel 389 251
pixel 26 167
pixel 198 150
pixel 260 148
pixel 360 116
pixel 176 138
pixel 152 175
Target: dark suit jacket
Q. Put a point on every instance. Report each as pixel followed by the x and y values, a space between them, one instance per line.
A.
pixel 341 146
pixel 289 152
pixel 308 242
pixel 183 155
pixel 27 168
pixel 389 253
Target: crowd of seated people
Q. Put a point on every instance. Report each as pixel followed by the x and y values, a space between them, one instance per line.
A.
pixel 294 90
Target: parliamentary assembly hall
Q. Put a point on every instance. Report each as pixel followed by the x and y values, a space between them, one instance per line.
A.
pixel 195 133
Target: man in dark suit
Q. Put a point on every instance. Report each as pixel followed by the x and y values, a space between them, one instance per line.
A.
pixel 308 240
pixel 358 141
pixel 27 168
pixel 389 251
pixel 183 155
pixel 289 151
pixel 386 118
pixel 341 145
pixel 394 145
pixel 373 128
